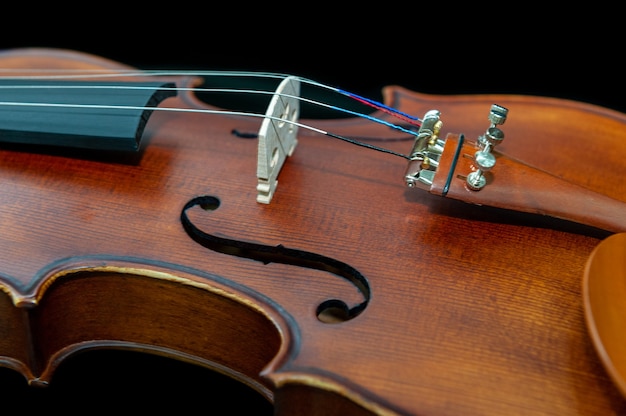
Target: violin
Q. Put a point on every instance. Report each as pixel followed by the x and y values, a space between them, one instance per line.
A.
pixel 434 268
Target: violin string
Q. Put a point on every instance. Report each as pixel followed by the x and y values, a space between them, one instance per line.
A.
pixel 217 90
pixel 99 73
pixel 208 111
pixel 372 103
pixel 116 73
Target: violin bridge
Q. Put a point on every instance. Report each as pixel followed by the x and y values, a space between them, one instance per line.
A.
pixel 277 137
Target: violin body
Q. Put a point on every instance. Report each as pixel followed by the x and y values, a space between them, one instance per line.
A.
pixel 471 309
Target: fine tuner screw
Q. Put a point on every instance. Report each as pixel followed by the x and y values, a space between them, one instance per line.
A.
pixel 484 160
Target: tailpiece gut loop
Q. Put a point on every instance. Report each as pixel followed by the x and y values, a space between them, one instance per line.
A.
pixel 332 310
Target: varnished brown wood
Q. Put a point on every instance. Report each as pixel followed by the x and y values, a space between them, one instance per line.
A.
pixel 474 310
pixel 521 187
pixel 604 296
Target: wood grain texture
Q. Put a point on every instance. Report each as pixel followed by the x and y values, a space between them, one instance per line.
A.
pixel 474 310
pixel 604 297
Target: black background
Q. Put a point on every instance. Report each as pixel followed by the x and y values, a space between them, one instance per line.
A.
pixel 441 49
pixel 569 53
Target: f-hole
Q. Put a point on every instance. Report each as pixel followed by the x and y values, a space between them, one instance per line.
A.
pixel 329 311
